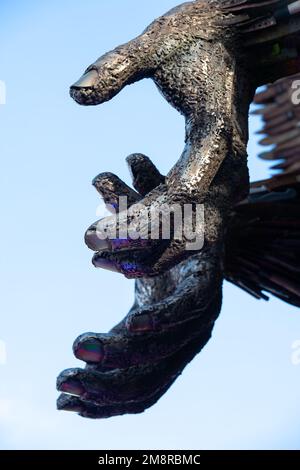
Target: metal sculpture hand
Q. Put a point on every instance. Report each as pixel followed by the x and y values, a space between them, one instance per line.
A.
pixel 192 58
pixel 131 367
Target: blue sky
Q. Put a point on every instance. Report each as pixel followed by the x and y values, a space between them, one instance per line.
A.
pixel 242 391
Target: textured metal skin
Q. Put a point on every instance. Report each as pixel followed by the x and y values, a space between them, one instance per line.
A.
pixel 196 57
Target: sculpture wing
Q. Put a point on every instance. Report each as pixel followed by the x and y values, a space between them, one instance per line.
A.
pixel 263 243
pixel 270 30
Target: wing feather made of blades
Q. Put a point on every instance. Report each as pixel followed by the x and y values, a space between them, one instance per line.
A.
pixel 263 243
pixel 270 30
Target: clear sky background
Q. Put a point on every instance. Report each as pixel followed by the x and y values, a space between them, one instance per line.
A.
pixel 242 391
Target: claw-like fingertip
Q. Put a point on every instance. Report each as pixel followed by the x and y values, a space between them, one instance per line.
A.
pixel 68 403
pixel 88 80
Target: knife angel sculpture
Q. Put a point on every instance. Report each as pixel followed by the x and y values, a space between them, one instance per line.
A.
pixel 207 58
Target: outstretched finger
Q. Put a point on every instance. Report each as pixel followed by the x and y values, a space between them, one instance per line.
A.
pixel 129 230
pixel 88 409
pixel 132 265
pixel 120 351
pixel 112 72
pixel 145 175
pixel 111 188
